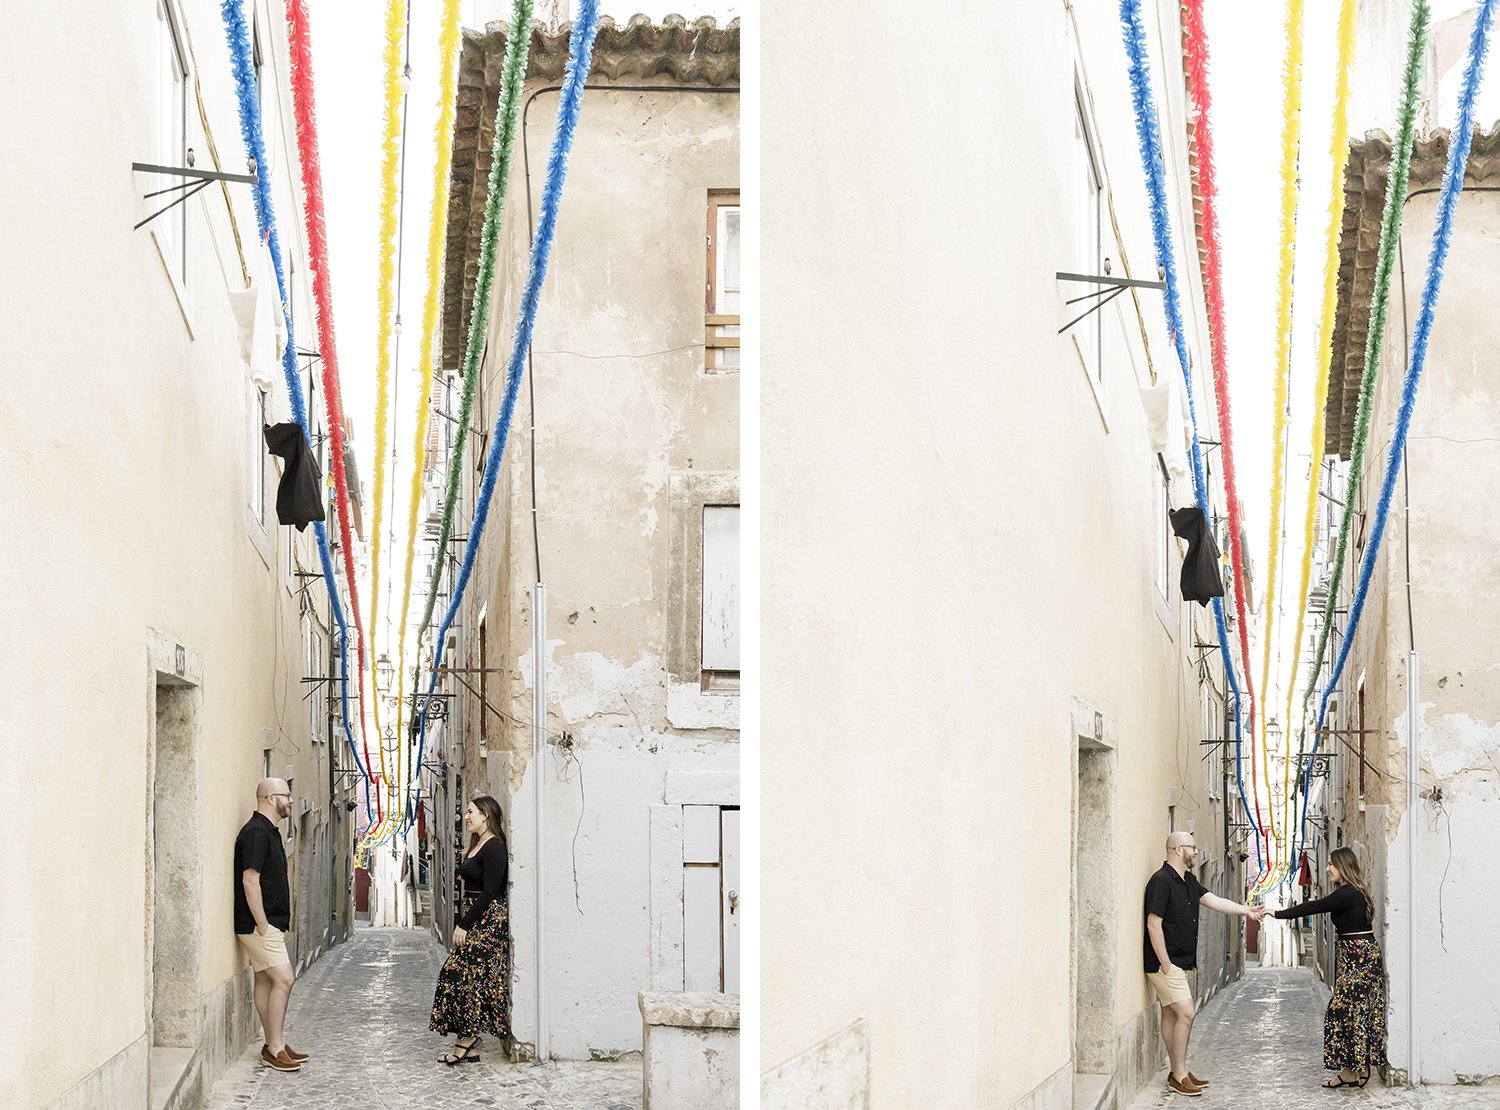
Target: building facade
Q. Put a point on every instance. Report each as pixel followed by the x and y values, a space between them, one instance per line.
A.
pixel 199 649
pixel 1437 544
pixel 984 699
pixel 620 493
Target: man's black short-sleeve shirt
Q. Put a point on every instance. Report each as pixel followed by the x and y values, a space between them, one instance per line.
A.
pixel 258 848
pixel 1174 899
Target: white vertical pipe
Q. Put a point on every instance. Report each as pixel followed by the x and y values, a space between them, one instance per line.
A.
pixel 1413 1064
pixel 538 774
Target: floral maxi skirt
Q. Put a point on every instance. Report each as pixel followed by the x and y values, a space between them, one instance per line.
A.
pixel 473 988
pixel 1354 1023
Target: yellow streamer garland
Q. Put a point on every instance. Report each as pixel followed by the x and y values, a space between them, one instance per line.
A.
pixel 436 240
pixel 395 29
pixel 1340 157
pixel 1291 128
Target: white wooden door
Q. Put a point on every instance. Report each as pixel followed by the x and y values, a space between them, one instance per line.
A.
pixel 702 966
pixel 730 883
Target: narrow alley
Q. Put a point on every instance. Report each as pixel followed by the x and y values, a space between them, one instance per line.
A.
pixel 1260 1043
pixel 361 1012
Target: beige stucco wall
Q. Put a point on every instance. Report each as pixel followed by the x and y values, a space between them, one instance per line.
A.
pixel 956 544
pixel 625 416
pixel 125 499
pixel 1454 472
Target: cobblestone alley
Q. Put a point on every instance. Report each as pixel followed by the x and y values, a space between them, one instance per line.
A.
pixel 361 1012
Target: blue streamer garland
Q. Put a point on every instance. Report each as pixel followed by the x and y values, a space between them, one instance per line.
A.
pixel 238 32
pixel 1149 136
pixel 1442 234
pixel 585 27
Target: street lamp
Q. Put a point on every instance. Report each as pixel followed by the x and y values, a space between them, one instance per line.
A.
pixel 385 671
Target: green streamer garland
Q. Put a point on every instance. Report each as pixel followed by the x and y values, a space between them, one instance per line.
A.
pixel 1390 234
pixel 507 114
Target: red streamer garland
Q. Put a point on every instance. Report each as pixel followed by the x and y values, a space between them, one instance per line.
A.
pixel 304 109
pixel 1196 49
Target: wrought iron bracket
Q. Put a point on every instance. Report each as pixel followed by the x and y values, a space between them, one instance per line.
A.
pixel 198 181
pixel 1112 287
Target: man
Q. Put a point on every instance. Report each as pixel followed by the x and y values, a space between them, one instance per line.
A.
pixel 263 913
pixel 1173 896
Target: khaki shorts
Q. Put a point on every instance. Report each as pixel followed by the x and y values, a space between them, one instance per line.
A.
pixel 1170 986
pixel 265 951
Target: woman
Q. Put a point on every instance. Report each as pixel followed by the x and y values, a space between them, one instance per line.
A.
pixel 1354 1023
pixel 473 989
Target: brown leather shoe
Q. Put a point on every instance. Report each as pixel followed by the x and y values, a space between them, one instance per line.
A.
pixel 1187 1087
pixel 280 1061
pixel 1193 1079
pixel 301 1056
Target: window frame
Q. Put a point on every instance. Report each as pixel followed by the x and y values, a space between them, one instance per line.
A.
pixel 721 329
pixel 715 680
pixel 1088 334
pixel 170 228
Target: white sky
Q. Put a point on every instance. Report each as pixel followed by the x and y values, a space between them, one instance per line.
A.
pixel 1246 44
pixel 347 56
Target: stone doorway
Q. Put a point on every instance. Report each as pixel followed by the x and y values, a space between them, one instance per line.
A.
pixel 1095 907
pixel 174 863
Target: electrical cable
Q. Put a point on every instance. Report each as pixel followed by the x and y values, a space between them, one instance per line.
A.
pixel 1149 136
pixel 1390 246
pixel 237 31
pixel 1291 131
pixel 581 49
pixel 304 111
pixel 1460 140
pixel 1196 48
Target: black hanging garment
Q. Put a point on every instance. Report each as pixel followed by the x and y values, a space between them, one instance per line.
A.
pixel 299 498
pixel 1200 568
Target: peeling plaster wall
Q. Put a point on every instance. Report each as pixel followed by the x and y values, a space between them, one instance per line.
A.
pixel 125 448
pixel 1453 463
pixel 624 410
pixel 957 545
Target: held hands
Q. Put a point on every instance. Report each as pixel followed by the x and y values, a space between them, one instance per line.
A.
pixel 1260 913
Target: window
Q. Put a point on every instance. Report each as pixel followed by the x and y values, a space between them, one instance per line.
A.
pixel 722 330
pixel 721 598
pixel 317 666
pixel 1088 222
pixel 1163 501
pixel 171 137
pixel 257 460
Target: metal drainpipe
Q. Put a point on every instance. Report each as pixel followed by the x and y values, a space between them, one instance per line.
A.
pixel 1413 1059
pixel 538 754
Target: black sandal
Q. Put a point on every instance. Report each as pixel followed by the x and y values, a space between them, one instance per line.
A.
pixel 1340 1081
pixel 462 1054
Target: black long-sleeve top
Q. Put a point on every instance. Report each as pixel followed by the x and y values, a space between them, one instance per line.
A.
pixel 1346 904
pixel 484 874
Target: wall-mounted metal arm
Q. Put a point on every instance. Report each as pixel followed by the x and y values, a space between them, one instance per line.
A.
pixel 200 181
pixel 1112 287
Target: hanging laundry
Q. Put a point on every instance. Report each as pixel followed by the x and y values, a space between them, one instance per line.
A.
pixel 299 498
pixel 1200 569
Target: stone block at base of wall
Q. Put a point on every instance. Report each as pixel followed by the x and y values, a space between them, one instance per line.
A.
pixel 1053 1093
pixel 120 1081
pixel 833 1074
pixel 228 1024
pixel 691 1058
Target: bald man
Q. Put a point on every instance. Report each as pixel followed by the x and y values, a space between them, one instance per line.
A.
pixel 1173 896
pixel 263 913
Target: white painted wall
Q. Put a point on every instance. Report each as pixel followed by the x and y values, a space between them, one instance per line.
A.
pixel 956 544
pixel 123 437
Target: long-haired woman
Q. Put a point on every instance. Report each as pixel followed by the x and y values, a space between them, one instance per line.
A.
pixel 473 988
pixel 1354 1023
